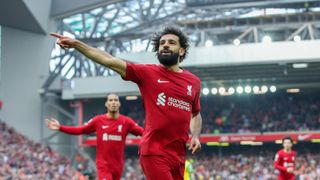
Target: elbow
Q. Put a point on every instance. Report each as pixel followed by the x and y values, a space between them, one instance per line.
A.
pixel 141 133
pixel 195 114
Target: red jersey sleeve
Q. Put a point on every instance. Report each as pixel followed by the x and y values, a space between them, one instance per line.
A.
pixel 278 162
pixel 134 72
pixel 134 128
pixel 196 102
pixel 77 130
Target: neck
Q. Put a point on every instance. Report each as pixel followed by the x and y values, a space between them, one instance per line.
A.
pixel 113 115
pixel 287 150
pixel 174 68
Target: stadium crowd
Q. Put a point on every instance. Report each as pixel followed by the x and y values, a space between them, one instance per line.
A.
pixel 21 158
pixel 251 113
pixel 260 113
pixel 242 166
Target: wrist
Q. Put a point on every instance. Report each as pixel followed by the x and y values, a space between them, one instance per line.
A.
pixel 195 136
pixel 77 43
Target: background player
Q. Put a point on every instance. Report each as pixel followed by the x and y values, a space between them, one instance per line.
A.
pixel 112 129
pixel 285 160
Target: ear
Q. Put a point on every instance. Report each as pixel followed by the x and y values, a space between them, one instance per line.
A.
pixel 182 51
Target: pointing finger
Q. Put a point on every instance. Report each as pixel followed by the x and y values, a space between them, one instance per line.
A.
pixel 56 35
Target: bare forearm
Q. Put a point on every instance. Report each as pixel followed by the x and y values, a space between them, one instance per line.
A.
pixel 101 57
pixel 93 53
pixel 195 126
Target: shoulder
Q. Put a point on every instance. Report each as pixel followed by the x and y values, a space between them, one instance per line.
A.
pixel 152 66
pixel 143 65
pixel 280 152
pixel 125 118
pixel 191 76
pixel 143 68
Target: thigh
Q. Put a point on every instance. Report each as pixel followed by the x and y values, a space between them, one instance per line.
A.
pixel 156 168
pixel 116 174
pixel 178 171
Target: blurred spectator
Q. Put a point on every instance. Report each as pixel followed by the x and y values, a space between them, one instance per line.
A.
pixel 244 166
pixel 250 113
pixel 21 158
pixel 243 113
pixel 260 113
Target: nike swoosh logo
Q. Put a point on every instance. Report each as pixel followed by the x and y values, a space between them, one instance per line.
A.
pixel 105 127
pixel 161 81
pixel 303 137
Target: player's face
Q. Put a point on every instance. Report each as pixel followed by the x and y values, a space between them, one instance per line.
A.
pixel 169 50
pixel 112 103
pixel 287 144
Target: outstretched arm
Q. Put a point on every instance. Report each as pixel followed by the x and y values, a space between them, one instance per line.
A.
pixel 54 124
pixel 92 53
pixel 195 128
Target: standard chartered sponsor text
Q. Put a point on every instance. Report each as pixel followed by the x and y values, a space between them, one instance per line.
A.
pixel 178 103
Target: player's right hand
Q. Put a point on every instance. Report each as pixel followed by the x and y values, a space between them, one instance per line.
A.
pixel 53 124
pixel 64 41
pixel 290 170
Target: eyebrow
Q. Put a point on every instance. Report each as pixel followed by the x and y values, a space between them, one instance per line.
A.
pixel 170 40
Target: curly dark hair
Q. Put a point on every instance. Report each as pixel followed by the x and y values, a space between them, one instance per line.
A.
pixel 287 138
pixel 183 40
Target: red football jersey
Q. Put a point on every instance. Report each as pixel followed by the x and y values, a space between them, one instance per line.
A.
pixel 111 137
pixel 169 98
pixel 284 160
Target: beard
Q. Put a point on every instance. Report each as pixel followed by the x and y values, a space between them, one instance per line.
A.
pixel 168 60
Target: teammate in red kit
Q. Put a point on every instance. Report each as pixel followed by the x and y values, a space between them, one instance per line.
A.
pixel 171 98
pixel 112 129
pixel 285 160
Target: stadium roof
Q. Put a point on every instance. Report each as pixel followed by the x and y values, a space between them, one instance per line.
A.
pixel 119 26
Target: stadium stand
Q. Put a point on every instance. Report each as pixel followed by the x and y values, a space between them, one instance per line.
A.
pixel 21 158
pixel 240 163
